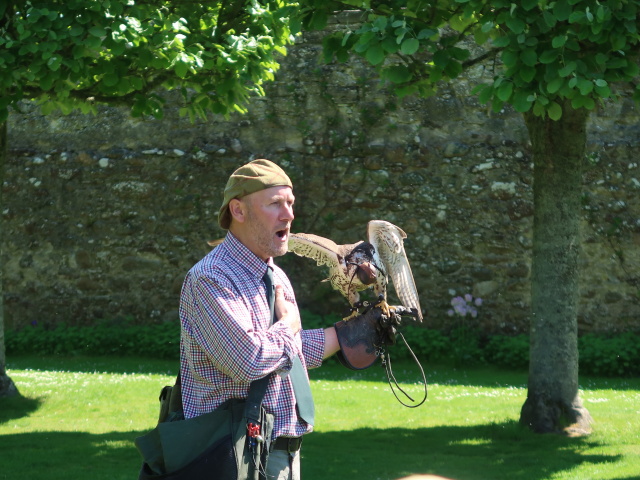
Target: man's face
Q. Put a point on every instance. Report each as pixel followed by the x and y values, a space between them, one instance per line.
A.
pixel 269 214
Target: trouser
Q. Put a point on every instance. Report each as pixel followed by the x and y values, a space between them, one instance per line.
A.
pixel 283 465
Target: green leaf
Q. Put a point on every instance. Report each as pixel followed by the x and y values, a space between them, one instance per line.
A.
pixel 509 58
pixel 54 63
pixel 527 73
pixel 375 55
pixel 589 15
pixel 585 86
pixel 46 82
pixel 529 57
pixel 515 24
pixel 380 23
pixel 568 69
pixel 136 83
pixel 581 101
pixel 404 91
pixel 521 102
pixel 390 45
pixel 397 74
pixel 410 46
pixel 93 43
pixel 426 33
pixel 441 58
pixel 529 4
pixel 539 110
pixel 631 70
pixel 562 10
pixel 181 69
pixel 76 30
pixel 548 56
pixel 555 111
pixel 554 85
pixel 486 94
pixel 504 91
pixel 559 41
pixel 603 92
pixel 453 69
pixel 487 27
pixel 549 19
pixel 110 79
pixel 576 17
pixel 124 86
pixel 318 20
pixel 97 31
pixel 496 104
pixel 501 41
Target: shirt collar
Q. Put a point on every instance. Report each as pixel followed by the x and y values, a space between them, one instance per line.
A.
pixel 249 260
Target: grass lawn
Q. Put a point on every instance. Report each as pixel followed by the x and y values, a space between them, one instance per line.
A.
pixel 80 416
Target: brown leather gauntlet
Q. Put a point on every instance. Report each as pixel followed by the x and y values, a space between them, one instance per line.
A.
pixel 362 337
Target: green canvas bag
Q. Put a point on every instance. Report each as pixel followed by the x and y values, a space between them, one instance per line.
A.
pixel 230 443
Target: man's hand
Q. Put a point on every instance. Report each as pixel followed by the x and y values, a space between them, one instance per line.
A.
pixel 286 311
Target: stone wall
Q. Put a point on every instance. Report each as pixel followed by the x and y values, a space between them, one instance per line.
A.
pixel 103 215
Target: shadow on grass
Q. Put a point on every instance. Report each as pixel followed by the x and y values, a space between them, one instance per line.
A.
pixel 492 451
pixel 70 455
pixel 17 407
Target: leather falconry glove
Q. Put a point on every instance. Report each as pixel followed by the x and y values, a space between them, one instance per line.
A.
pixel 363 337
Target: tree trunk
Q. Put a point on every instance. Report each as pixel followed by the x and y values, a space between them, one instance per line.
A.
pixel 553 403
pixel 7 387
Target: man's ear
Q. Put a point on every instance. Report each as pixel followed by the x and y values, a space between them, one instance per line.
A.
pixel 237 209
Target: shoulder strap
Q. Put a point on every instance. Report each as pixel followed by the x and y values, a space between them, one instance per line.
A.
pixel 257 390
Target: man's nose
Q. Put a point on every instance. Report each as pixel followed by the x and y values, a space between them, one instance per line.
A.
pixel 287 213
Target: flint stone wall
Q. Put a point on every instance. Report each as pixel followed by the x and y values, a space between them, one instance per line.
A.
pixel 103 215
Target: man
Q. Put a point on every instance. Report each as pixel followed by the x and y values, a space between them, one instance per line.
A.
pixel 228 339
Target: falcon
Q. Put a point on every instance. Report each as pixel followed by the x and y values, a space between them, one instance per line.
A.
pixel 365 264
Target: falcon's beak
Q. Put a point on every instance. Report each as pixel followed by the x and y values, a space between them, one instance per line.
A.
pixel 366 273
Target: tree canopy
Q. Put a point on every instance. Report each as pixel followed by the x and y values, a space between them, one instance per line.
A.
pixel 72 54
pixel 540 52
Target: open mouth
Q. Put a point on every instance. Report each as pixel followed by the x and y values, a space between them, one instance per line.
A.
pixel 282 233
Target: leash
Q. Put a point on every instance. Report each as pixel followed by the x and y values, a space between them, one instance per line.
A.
pixel 386 363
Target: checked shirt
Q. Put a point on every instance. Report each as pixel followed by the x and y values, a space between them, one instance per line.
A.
pixel 227 339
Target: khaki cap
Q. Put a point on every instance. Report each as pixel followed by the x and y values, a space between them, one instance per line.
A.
pixel 250 178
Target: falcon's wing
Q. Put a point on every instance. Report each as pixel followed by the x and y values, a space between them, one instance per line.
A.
pixel 388 242
pixel 320 249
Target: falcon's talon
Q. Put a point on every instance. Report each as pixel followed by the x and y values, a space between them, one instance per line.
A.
pixel 384 306
pixel 354 313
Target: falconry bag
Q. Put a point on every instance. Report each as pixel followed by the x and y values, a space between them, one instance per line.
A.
pixel 230 443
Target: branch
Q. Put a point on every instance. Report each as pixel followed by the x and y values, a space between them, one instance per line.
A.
pixel 485 56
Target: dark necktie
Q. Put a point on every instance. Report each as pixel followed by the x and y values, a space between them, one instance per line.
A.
pixel 301 388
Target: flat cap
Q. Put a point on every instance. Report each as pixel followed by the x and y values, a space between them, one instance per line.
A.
pixel 250 178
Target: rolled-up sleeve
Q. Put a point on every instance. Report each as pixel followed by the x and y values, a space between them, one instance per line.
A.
pixel 313 347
